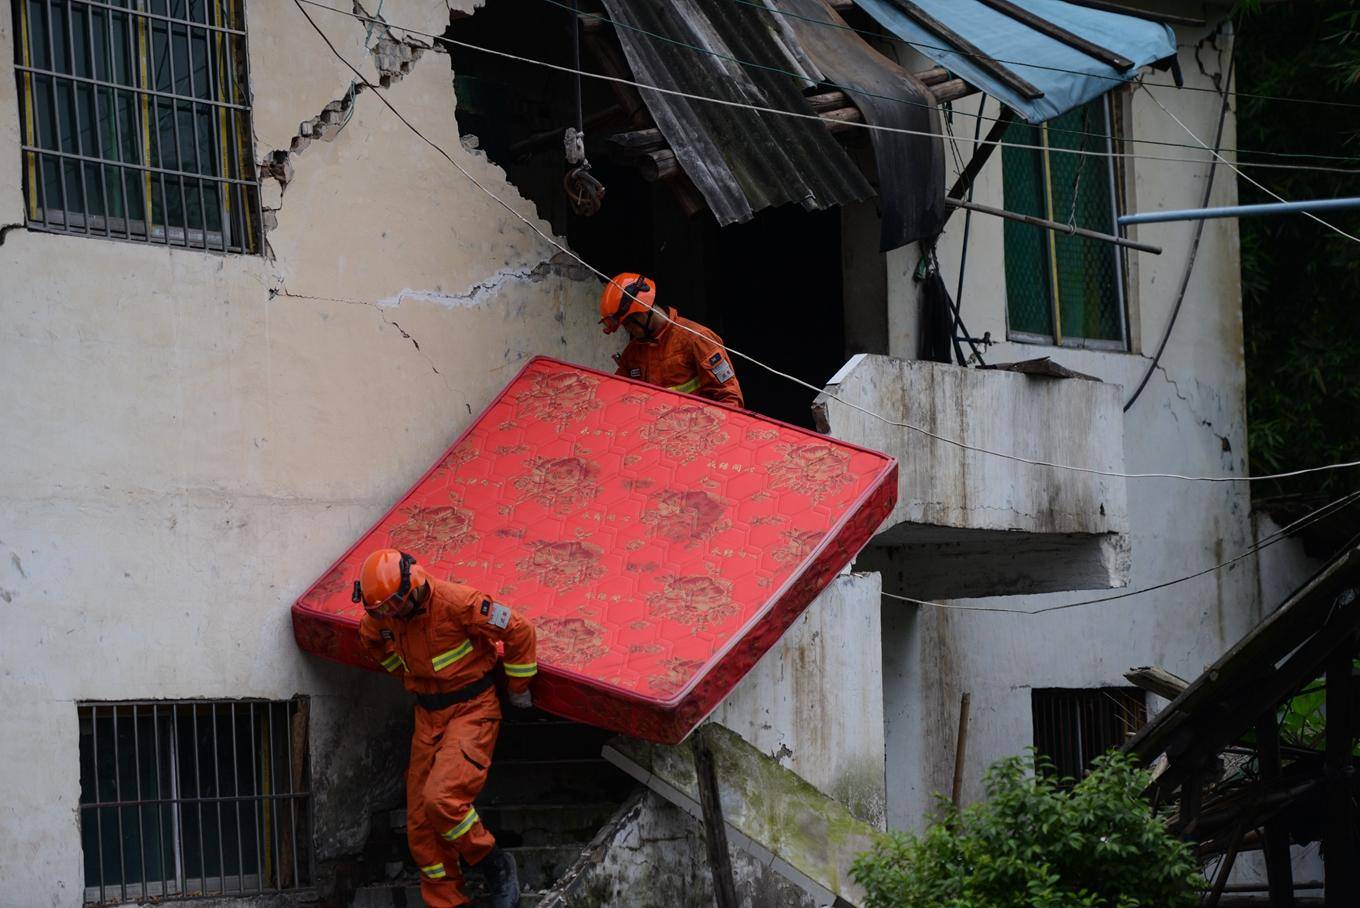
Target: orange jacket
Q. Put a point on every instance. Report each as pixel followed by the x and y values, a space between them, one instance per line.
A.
pixel 451 641
pixel 694 363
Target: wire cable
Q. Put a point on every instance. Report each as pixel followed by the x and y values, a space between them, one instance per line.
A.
pixel 768 368
pixel 1280 535
pixel 1267 191
pixel 849 124
pixel 800 77
pixel 1194 243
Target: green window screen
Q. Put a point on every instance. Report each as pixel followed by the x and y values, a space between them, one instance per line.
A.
pixel 135 121
pixel 1070 189
pixel 1027 267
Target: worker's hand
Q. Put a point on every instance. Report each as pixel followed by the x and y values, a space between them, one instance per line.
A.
pixel 521 699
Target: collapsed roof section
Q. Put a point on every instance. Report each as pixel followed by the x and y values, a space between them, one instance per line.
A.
pixel 752 55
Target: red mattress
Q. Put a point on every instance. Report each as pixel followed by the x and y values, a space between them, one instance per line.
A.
pixel 660 543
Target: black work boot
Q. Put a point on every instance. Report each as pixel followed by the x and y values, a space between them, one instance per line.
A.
pixel 502 878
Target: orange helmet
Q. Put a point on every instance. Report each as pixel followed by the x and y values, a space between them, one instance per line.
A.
pixel 386 582
pixel 626 294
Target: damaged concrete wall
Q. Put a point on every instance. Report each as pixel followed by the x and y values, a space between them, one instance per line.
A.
pixel 1190 419
pixel 191 438
pixel 814 702
pixel 652 855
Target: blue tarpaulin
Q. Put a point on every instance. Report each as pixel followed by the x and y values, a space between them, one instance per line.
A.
pixel 1067 77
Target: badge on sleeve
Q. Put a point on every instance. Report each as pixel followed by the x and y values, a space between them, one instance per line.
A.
pixel 500 615
pixel 386 634
pixel 635 373
pixel 720 367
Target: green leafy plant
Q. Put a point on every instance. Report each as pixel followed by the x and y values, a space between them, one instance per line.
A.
pixel 1037 843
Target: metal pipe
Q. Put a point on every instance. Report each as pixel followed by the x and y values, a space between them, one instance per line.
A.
pixel 137 772
pixel 118 812
pixel 1239 211
pixel 1054 225
pixel 98 140
pixel 98 810
pixel 236 792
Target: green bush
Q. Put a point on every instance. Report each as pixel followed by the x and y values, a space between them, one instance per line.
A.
pixel 1036 844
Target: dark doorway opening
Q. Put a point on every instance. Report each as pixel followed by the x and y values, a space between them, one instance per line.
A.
pixel 772 287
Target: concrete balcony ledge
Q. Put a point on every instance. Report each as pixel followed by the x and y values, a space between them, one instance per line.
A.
pixel 969 523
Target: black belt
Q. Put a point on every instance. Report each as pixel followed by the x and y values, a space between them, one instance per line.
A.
pixel 461 695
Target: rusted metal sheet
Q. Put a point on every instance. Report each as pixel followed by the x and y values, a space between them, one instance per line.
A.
pixel 910 166
pixel 741 160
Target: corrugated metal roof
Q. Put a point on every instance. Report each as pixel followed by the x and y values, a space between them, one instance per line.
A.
pixel 910 165
pixel 1066 77
pixel 741 160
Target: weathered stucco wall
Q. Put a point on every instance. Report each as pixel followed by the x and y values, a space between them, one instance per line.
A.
pixel 1190 419
pixel 191 438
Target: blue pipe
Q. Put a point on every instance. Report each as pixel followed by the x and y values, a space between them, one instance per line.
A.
pixel 1238 211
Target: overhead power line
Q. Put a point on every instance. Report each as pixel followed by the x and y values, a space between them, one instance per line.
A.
pixel 850 124
pixel 1053 130
pixel 381 96
pixel 1297 526
pixel 954 50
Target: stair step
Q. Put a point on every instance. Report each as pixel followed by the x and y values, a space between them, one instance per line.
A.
pixel 546 824
pixel 573 781
pixel 539 867
pixel 406 894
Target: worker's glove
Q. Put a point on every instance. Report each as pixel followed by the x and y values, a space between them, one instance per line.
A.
pixel 521 699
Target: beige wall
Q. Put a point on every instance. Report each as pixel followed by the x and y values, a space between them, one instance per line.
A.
pixel 185 449
pixel 1190 419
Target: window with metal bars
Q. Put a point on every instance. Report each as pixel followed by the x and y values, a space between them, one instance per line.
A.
pixel 135 118
pixel 1061 289
pixel 1073 727
pixel 193 798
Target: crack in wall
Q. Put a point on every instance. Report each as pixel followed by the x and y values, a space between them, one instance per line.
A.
pixel 393 58
pixel 560 265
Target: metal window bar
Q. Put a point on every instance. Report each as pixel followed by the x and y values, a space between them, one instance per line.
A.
pixel 187 750
pixel 1073 727
pixel 106 88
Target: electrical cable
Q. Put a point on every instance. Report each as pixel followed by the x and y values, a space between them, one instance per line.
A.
pixel 768 368
pixel 800 77
pixel 1194 243
pixel 1258 185
pixel 849 124
pixel 1302 523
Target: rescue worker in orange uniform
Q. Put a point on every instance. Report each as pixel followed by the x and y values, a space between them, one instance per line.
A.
pixel 441 638
pixel 666 349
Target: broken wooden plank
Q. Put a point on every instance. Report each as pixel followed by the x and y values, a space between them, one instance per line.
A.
pixel 715 830
pixel 1157 680
pixel 1122 10
pixel 982 60
pixel 1058 33
pixel 961 748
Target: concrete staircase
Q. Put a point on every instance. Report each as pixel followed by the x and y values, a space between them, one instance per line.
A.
pixel 549 791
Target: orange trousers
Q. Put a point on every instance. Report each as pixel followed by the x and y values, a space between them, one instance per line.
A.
pixel 450 754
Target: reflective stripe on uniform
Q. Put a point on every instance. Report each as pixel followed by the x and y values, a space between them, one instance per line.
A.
pixel 447 658
pixel 464 826
pixel 434 871
pixel 521 669
pixel 688 387
pixel 392 662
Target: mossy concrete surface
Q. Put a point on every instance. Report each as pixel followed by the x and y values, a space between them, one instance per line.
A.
pixel 769 811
